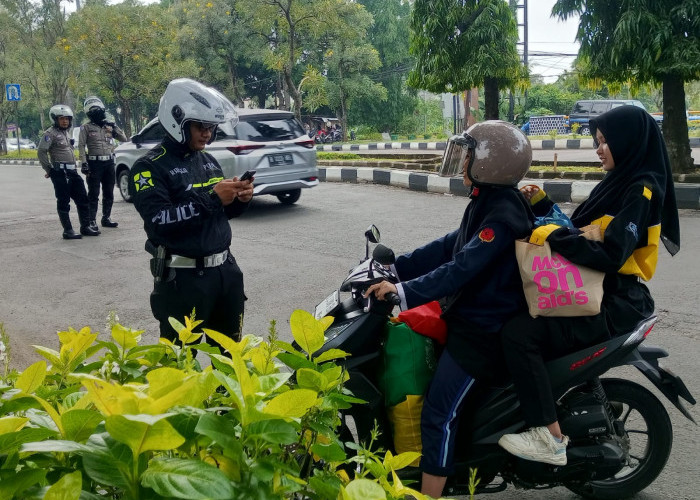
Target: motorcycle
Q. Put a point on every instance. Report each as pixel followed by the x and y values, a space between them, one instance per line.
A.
pixel 620 433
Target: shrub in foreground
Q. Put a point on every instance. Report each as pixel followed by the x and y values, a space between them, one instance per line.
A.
pixel 120 419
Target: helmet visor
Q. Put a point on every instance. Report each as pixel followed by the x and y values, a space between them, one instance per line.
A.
pixel 455 157
pixel 228 110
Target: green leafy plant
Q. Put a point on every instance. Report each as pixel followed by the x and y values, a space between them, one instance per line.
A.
pixel 552 134
pixel 120 419
pixel 574 129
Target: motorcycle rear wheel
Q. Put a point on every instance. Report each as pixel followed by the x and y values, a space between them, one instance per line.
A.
pixel 648 433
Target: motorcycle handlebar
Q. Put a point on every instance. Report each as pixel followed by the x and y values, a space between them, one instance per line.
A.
pixel 393 298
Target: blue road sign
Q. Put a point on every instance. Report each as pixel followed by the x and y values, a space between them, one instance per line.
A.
pixel 13 92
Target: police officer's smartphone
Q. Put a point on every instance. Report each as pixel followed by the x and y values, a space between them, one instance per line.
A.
pixel 248 174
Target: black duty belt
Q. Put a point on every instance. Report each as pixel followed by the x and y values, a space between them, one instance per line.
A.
pixel 64 166
pixel 215 260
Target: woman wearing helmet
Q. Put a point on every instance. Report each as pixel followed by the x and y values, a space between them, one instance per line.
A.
pixel 55 153
pixel 473 271
pixel 180 192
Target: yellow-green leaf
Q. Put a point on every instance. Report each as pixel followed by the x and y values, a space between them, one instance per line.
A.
pixel 227 343
pixel 143 433
pixel 49 354
pixel 12 424
pixel 311 379
pixel 401 460
pixel 307 331
pixel 326 321
pixel 364 489
pixel 164 380
pixel 126 337
pixel 32 377
pixel 294 403
pixel 66 488
pixel 331 354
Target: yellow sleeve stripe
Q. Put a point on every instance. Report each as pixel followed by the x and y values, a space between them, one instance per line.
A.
pixel 647 193
pixel 540 234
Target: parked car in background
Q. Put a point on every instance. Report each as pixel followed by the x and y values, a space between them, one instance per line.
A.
pixel 11 144
pixel 272 142
pixel 586 109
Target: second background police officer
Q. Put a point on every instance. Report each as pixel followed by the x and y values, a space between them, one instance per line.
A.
pixel 97 137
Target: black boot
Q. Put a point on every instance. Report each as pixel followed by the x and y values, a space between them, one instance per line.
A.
pixel 93 226
pixel 107 222
pixel 68 233
pixel 86 228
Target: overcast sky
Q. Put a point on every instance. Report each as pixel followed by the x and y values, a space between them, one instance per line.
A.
pixel 549 34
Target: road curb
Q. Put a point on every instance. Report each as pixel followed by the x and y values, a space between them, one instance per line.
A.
pixel 561 191
pixel 586 143
pixel 573 189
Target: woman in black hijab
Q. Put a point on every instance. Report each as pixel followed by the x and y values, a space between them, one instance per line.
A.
pixel 635 207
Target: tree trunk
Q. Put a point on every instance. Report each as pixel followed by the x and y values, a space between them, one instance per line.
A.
pixel 294 92
pixel 675 126
pixel 491 98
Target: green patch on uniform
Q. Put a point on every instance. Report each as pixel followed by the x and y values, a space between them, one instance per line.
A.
pixel 143 180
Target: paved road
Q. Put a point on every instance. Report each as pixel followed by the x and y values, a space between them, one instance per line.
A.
pixel 292 257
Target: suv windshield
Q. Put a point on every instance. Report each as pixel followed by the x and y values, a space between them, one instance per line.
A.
pixel 262 129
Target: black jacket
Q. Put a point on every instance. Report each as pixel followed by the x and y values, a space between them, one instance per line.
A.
pixel 173 191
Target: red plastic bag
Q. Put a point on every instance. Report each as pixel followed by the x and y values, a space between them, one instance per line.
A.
pixel 426 320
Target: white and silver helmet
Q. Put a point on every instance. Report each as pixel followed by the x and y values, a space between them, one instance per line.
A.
pixel 186 100
pixel 501 154
pixel 93 102
pixel 59 110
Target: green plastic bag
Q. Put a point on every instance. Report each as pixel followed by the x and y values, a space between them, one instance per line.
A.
pixel 408 363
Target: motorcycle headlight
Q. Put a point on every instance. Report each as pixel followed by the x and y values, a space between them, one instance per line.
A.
pixel 455 157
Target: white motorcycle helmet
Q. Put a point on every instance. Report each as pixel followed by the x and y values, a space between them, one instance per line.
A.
pixel 501 154
pixel 186 100
pixel 59 110
pixel 93 102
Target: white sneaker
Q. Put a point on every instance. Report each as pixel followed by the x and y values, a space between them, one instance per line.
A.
pixel 536 444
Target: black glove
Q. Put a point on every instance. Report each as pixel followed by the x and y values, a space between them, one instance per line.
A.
pixel 85 168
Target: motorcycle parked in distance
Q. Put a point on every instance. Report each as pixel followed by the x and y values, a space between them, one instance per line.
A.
pixel 620 433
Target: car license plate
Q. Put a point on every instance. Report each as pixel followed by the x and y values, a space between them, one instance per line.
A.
pixel 280 159
pixel 328 305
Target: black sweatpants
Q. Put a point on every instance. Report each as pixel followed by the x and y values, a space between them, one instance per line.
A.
pixel 101 175
pixel 530 342
pixel 216 294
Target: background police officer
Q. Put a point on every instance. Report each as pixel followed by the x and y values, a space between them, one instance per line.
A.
pixel 97 136
pixel 57 158
pixel 180 192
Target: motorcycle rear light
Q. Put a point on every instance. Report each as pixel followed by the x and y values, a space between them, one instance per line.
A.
pixel 307 144
pixel 244 150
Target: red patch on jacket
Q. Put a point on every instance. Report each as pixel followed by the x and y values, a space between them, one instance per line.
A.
pixel 487 235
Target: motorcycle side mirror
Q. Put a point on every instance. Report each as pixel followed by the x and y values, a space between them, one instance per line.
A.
pixel 384 255
pixel 371 234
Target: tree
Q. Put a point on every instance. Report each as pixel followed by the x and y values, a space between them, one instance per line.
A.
pixel 39 30
pixel 461 44
pixel 136 57
pixel 643 41
pixel 289 29
pixel 349 57
pixel 216 36
pixel 387 34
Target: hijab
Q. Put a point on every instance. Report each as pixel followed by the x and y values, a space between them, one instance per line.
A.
pixel 641 159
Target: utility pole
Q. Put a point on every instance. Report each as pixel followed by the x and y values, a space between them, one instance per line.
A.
pixel 524 24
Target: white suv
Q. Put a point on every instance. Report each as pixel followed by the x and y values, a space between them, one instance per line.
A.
pixel 272 142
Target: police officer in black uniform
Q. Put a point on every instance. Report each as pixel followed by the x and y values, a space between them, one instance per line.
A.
pixel 97 136
pixel 57 158
pixel 180 192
